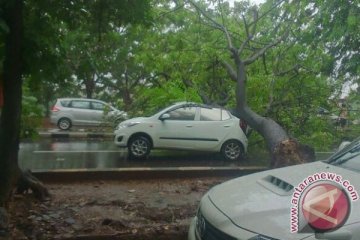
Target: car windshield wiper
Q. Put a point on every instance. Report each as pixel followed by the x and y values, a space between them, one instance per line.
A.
pixel 353 153
pixel 337 156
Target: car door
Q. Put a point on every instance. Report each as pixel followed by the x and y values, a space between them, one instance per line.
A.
pixel 81 111
pixel 176 131
pixel 212 127
pixel 98 112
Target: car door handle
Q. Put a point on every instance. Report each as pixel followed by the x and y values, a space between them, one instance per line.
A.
pixel 189 126
pixel 227 126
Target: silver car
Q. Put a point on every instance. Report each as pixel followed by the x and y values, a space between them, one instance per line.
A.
pixel 310 201
pixel 68 112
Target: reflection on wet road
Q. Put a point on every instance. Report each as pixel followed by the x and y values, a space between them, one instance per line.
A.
pixel 95 154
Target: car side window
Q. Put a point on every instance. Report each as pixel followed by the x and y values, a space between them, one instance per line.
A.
pixel 80 104
pixel 65 103
pixel 210 114
pixel 225 115
pixel 97 106
pixel 213 114
pixel 184 114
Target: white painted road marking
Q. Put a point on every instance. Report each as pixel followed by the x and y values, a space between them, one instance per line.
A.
pixel 82 151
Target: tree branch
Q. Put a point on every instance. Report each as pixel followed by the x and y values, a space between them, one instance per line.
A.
pixel 215 25
pixel 266 13
pixel 249 36
pixel 230 70
pixel 259 53
pixel 282 73
pixel 255 21
pixel 271 98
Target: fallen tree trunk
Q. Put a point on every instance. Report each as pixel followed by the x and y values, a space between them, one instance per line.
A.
pixel 284 150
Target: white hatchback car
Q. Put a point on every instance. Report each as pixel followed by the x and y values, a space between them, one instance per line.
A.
pixel 187 126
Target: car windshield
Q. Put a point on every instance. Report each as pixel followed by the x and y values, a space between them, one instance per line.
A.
pixel 168 108
pixel 349 157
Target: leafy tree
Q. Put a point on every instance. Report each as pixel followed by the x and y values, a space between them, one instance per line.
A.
pixel 11 112
pixel 336 25
pixel 246 46
pixel 31 115
pixel 12 34
pixel 183 58
pixel 175 58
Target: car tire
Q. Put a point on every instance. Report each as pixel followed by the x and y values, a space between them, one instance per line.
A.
pixel 64 123
pixel 139 147
pixel 232 150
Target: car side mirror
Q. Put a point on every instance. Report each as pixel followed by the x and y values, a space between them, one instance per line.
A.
pixel 164 116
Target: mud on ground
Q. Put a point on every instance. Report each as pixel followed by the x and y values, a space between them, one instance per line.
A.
pixel 151 209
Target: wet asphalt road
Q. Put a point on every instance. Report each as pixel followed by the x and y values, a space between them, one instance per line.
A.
pixel 98 154
pixel 48 154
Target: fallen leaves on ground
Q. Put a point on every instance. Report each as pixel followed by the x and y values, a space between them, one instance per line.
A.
pixel 135 209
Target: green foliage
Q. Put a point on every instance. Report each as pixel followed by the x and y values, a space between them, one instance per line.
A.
pixel 32 115
pixel 335 25
pixel 353 104
pixel 319 133
pixel 154 99
pixel 144 55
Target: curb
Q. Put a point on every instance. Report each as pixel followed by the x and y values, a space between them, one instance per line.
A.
pixel 76 135
pixel 71 175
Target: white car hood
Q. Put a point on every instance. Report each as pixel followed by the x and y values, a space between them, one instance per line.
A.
pixel 252 206
pixel 138 119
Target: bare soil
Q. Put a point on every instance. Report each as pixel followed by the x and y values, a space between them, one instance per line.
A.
pixel 151 209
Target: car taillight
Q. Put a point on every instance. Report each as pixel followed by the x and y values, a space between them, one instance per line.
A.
pixel 243 125
pixel 55 109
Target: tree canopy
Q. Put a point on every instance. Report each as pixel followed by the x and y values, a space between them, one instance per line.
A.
pixel 141 60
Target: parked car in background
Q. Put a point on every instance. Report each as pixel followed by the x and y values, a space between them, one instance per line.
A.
pixel 186 126
pixel 266 205
pixel 68 112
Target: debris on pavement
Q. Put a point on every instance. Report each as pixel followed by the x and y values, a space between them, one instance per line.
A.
pixel 135 209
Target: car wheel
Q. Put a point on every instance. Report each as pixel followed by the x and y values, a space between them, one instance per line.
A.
pixel 139 147
pixel 232 150
pixel 64 124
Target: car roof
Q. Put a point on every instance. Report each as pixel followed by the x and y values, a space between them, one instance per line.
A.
pixel 88 99
pixel 194 104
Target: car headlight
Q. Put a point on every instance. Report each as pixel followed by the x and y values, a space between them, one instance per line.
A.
pixel 125 125
pixel 125 115
pixel 200 224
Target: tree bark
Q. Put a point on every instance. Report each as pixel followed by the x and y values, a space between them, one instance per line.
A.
pixel 11 112
pixel 10 117
pixel 284 150
pixel 127 99
pixel 126 92
pixel 90 85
